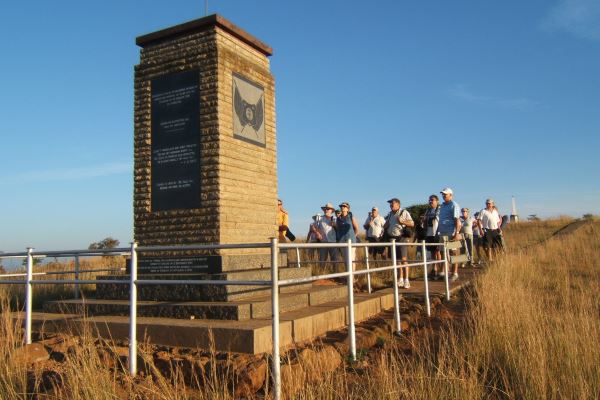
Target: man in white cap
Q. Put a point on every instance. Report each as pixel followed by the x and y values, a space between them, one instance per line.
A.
pixel 327 233
pixel 449 223
pixel 489 222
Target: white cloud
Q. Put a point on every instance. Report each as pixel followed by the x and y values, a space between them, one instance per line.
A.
pixel 521 103
pixel 68 174
pixel 461 91
pixel 580 18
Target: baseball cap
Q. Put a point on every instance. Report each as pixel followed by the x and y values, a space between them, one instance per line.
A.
pixel 394 200
pixel 447 191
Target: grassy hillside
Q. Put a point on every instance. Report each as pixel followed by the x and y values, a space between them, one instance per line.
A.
pixel 528 329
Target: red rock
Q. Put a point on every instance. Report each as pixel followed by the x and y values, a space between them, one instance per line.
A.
pixel 30 354
pixel 251 379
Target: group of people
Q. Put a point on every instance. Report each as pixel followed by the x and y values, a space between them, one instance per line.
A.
pixel 443 221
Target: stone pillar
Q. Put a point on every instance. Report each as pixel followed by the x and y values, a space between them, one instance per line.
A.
pixel 205 141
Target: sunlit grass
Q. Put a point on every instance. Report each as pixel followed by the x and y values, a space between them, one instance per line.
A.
pixel 530 331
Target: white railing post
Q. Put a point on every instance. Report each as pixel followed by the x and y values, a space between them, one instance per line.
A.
pixel 351 330
pixel 425 278
pixel 367 266
pixel 76 287
pixel 28 295
pixel 446 270
pixel 133 311
pixel 298 256
pixel 275 363
pixel 396 295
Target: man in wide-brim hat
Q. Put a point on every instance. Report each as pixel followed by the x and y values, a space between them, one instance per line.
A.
pixel 326 231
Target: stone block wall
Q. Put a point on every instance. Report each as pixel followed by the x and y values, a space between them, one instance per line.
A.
pixel 238 179
pixel 247 172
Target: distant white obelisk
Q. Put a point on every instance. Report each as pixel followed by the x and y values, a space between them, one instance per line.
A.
pixel 514 217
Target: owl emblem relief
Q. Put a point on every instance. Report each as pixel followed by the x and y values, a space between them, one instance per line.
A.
pixel 248 110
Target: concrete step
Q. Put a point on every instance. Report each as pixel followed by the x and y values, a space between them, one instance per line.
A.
pixel 254 307
pixel 310 322
pixel 184 292
pixel 249 336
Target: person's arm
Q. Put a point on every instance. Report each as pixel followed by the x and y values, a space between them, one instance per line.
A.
pixel 457 223
pixel 480 226
pixel 284 226
pixel 409 221
pixel 355 226
pixel 457 226
pixel 368 222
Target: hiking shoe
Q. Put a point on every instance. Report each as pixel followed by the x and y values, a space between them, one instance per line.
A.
pixel 406 284
pixel 454 277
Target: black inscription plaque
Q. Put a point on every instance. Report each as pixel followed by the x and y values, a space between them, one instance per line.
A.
pixel 176 142
pixel 170 265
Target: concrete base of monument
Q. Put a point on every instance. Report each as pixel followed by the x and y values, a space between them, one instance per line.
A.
pixel 200 292
pixel 207 264
pixel 246 336
pixel 241 310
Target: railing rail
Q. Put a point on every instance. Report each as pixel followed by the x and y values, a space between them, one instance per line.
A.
pixel 274 283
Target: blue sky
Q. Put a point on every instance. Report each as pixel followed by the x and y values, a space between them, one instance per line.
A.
pixel 374 100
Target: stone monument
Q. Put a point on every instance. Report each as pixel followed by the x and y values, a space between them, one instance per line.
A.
pixel 205 146
pixel 205 173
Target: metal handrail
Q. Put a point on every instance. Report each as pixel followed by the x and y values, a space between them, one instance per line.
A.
pixel 274 282
pixel 61 272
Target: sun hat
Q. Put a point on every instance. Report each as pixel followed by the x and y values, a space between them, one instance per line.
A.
pixel 328 206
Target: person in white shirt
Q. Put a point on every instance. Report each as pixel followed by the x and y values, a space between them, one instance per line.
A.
pixel 327 234
pixel 374 227
pixel 467 230
pixel 395 223
pixel 490 221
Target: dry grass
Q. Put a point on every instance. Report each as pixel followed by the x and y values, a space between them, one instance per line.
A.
pixel 530 331
pixel 43 293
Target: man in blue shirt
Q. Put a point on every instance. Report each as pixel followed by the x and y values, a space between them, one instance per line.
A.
pixel 449 225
